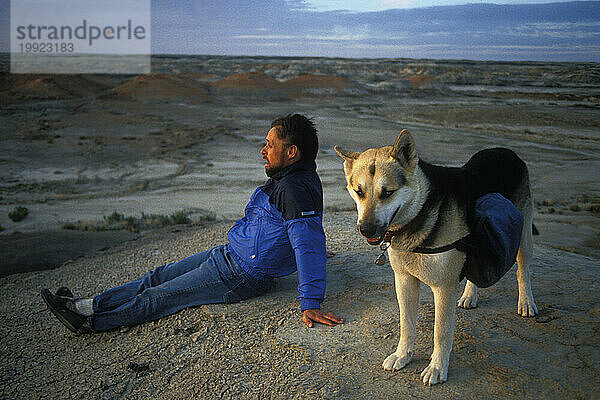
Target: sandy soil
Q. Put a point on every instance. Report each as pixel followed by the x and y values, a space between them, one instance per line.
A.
pixel 261 349
pixel 78 149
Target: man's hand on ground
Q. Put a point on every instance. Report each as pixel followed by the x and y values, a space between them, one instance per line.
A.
pixel 323 317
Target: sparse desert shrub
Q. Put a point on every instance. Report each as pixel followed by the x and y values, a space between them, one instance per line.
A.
pixel 209 217
pixel 132 224
pixel 593 207
pixel 117 221
pixel 180 217
pixel 113 218
pixel 18 214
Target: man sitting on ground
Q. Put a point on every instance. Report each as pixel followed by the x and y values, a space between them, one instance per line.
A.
pixel 281 232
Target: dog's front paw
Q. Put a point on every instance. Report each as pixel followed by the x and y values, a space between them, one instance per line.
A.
pixel 526 307
pixel 434 373
pixel 396 361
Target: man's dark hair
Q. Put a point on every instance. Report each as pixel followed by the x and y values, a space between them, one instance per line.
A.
pixel 299 130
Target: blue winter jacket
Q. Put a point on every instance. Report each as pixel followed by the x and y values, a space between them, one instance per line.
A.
pixel 282 231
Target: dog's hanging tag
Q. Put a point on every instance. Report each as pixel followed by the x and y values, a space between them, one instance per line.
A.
pixel 382 259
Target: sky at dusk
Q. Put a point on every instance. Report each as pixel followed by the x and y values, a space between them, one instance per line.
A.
pixel 480 31
pixel 380 5
pixel 441 29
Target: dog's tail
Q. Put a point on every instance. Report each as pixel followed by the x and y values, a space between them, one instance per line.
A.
pixel 534 229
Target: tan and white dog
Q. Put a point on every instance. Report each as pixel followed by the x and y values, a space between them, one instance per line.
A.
pixel 420 204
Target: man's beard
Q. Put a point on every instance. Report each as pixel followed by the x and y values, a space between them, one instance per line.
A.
pixel 272 171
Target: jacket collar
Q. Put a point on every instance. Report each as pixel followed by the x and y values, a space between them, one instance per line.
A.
pixel 301 165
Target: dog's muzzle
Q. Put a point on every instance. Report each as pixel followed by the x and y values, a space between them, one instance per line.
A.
pixel 369 231
pixel 372 229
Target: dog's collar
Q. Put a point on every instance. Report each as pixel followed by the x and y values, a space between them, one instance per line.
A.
pixel 387 237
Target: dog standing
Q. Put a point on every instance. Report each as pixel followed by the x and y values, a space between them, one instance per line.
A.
pixel 420 204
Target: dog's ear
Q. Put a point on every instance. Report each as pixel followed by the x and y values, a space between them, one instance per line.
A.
pixel 404 149
pixel 346 155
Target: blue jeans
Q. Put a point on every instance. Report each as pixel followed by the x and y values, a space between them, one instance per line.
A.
pixel 212 276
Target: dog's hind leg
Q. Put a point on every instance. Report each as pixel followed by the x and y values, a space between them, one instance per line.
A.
pixel 407 292
pixel 526 306
pixel 469 296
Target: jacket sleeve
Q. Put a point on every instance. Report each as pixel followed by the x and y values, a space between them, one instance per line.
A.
pixel 308 241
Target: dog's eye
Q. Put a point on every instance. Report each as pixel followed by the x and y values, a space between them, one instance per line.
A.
pixel 386 193
pixel 359 192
